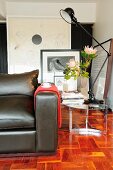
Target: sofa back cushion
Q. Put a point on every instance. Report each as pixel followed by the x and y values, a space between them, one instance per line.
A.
pixel 22 83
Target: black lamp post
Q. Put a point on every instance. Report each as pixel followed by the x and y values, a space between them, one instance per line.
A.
pixel 68 15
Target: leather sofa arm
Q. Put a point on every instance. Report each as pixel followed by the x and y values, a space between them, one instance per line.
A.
pixel 46 122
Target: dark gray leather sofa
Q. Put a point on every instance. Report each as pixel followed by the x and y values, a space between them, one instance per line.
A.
pixel 24 129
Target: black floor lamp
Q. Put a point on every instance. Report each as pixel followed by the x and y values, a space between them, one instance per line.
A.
pixel 68 15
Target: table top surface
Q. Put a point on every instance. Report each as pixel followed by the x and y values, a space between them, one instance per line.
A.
pixel 87 106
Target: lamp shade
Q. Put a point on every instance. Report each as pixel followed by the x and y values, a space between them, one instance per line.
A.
pixel 67 14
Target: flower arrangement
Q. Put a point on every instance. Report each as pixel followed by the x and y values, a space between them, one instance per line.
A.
pixel 72 70
pixel 75 69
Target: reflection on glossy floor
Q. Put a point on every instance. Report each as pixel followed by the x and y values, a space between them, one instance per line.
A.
pixel 75 152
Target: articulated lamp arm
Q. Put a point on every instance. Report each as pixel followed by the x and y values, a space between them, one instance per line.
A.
pixel 68 16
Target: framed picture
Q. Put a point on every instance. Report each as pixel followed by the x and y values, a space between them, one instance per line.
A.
pixel 101 70
pixel 53 62
pixel 59 81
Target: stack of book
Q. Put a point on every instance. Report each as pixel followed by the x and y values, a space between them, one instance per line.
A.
pixel 72 98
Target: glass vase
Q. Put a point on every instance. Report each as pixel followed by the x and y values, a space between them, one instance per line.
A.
pixel 83 85
pixel 70 85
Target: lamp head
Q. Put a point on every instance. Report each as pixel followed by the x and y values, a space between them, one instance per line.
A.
pixel 68 15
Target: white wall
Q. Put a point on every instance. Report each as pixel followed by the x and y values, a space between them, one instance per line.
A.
pixel 85 12
pixel 103 30
pixel 23 54
pixel 27 19
pixel 2 10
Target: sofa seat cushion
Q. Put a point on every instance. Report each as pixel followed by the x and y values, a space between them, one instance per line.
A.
pixel 16 111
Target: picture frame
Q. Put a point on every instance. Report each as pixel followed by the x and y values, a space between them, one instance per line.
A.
pixel 53 62
pixel 102 83
pixel 59 81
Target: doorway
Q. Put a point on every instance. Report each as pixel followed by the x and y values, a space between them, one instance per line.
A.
pixel 3 48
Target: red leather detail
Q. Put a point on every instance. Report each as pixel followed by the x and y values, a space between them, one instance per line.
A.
pixel 53 89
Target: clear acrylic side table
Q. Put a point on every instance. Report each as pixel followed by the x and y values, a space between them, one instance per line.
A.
pixel 87 129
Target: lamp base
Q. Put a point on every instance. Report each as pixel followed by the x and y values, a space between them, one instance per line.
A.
pixel 95 101
pixel 92 99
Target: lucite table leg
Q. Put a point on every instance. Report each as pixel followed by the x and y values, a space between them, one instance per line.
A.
pixel 105 119
pixel 87 112
pixel 70 119
pixel 70 125
pixel 87 130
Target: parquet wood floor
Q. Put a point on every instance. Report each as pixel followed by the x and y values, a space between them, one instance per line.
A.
pixel 75 152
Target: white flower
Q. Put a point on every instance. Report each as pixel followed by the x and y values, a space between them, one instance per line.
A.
pixel 72 63
pixel 89 50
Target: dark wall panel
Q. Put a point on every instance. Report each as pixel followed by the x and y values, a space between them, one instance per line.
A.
pixel 79 38
pixel 3 48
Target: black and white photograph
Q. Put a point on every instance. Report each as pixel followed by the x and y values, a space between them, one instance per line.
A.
pixel 57 63
pixel 53 62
